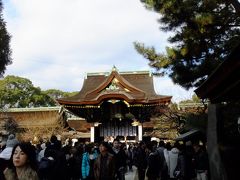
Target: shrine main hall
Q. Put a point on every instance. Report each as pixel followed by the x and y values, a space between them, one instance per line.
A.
pixel 116 104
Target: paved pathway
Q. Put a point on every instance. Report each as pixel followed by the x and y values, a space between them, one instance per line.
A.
pixel 131 175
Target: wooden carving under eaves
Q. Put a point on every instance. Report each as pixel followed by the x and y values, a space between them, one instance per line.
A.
pixel 115 86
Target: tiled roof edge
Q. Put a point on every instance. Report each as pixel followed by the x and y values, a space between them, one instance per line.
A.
pixel 124 72
pixel 55 108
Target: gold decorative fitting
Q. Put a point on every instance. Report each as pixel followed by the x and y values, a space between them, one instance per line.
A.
pixel 135 122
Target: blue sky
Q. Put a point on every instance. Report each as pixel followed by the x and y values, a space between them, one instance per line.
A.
pixel 56 42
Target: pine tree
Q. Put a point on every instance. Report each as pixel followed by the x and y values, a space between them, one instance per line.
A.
pixel 5 51
pixel 204 33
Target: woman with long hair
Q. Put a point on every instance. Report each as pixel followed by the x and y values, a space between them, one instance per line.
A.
pixel 23 163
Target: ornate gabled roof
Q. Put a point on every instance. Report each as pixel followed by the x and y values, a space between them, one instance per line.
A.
pixel 133 87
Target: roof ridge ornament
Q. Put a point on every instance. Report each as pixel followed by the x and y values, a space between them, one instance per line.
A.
pixel 114 68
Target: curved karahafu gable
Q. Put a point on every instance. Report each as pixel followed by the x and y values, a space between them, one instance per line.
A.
pixel 132 87
pixel 116 104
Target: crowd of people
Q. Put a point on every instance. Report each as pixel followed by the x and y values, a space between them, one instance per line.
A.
pixel 102 161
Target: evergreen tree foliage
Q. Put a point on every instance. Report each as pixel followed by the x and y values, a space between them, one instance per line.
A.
pixel 5 51
pixel 203 35
pixel 196 120
pixel 195 99
pixel 194 114
pixel 56 94
pixel 17 92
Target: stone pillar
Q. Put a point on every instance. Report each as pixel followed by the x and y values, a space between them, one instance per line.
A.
pixel 217 169
pixel 139 132
pixel 92 134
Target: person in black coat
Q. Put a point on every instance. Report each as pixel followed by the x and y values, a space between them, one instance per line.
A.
pixel 120 159
pixel 153 169
pixel 130 154
pixel 140 160
pixel 201 162
pixel 59 163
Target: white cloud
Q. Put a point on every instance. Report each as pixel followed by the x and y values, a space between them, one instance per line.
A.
pixel 165 86
pixel 56 42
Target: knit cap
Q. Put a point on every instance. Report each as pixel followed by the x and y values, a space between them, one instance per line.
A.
pixel 43 145
pixel 11 141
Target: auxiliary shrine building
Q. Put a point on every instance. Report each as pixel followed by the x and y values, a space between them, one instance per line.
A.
pixel 116 104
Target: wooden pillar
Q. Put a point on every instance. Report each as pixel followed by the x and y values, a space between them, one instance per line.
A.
pixel 140 132
pixel 217 169
pixel 92 134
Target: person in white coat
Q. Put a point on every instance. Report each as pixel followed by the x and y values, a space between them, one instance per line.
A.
pixel 173 158
pixel 41 153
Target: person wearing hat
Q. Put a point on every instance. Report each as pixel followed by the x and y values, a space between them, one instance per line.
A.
pixel 104 166
pixel 41 153
pixel 11 142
